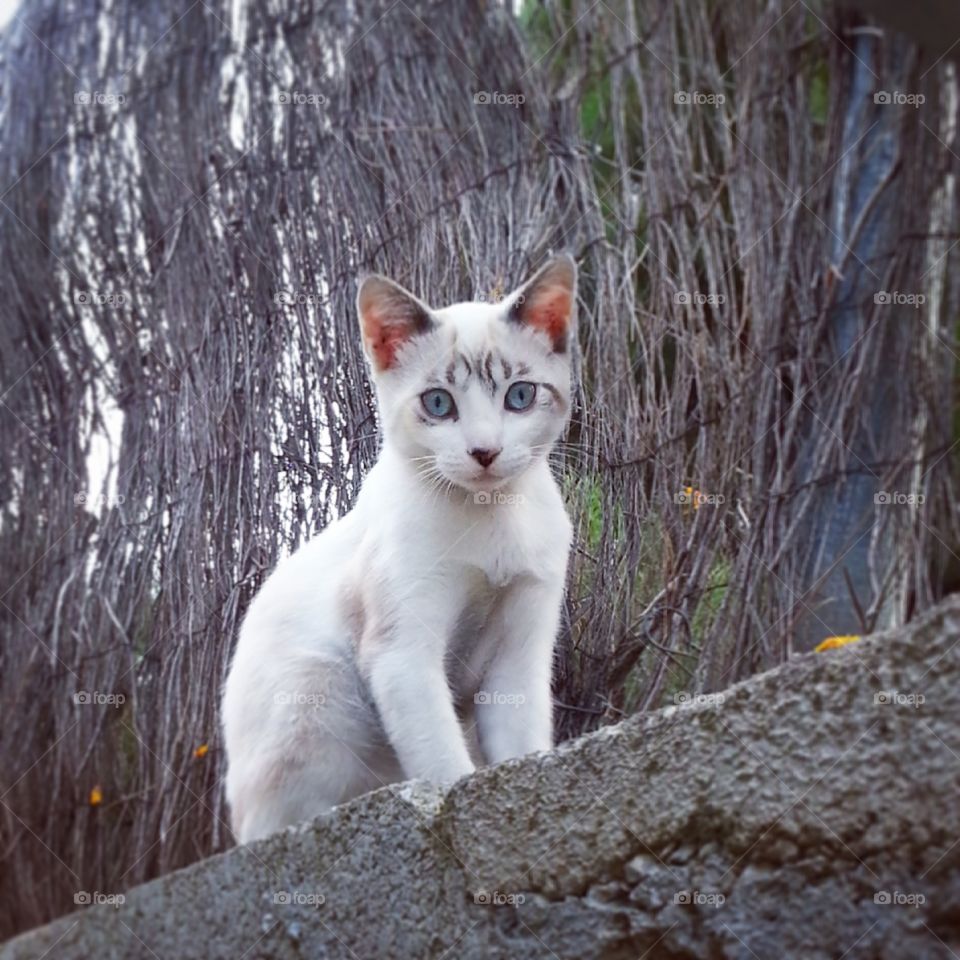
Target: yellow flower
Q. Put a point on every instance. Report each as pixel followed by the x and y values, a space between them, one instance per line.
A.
pixel 831 643
pixel 201 751
pixel 96 796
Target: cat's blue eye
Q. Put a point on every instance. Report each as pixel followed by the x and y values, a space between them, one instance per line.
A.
pixel 438 403
pixel 520 395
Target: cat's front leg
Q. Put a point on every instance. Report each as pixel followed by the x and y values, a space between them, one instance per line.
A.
pixel 514 709
pixel 404 665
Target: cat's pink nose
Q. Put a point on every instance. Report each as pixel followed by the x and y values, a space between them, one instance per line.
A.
pixel 484 457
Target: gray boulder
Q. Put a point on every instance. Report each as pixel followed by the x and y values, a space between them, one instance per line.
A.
pixel 808 812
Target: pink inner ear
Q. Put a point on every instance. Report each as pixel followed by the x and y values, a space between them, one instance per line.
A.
pixel 385 338
pixel 549 310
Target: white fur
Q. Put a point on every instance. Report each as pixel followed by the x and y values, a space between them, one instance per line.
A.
pixel 413 638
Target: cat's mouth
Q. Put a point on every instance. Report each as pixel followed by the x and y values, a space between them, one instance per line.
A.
pixel 486 479
pixel 502 473
pixel 476 478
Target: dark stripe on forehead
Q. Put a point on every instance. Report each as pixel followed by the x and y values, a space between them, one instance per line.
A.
pixel 487 378
pixel 494 370
pixel 491 369
pixel 459 369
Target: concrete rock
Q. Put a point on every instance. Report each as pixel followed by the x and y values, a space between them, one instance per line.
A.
pixel 810 811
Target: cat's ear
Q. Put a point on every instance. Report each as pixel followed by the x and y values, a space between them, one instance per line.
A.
pixel 546 301
pixel 389 317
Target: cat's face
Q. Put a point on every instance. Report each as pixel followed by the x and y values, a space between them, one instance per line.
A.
pixel 474 393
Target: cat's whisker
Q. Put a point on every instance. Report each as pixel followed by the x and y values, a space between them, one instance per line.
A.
pixel 436 485
pixel 558 450
pixel 572 453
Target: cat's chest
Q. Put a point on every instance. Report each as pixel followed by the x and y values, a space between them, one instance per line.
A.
pixel 496 558
pixel 476 634
pixel 497 550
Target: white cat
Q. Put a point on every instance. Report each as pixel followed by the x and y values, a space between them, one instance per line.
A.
pixel 414 636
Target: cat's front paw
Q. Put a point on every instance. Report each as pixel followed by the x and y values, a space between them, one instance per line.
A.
pixel 448 774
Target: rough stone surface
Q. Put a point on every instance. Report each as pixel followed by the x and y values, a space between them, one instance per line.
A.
pixel 792 816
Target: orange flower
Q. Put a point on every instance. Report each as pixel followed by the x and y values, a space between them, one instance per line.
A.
pixel 201 751
pixel 831 643
pixel 96 796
